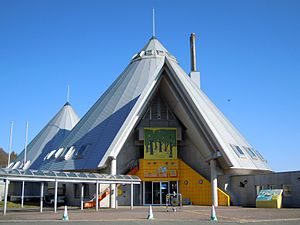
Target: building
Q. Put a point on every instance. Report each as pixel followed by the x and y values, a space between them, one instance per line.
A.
pixel 48 139
pixel 156 122
pixel 42 145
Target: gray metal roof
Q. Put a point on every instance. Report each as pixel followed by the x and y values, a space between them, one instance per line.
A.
pixel 49 138
pixel 106 126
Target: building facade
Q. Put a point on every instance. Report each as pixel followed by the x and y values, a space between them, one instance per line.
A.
pixel 155 121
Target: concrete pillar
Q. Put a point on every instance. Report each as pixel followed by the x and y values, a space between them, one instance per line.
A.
pixel 81 197
pixel 100 193
pixel 55 196
pixel 113 190
pixel 214 182
pixel 131 196
pixel 116 196
pixel 141 193
pixel 97 196
pixel 5 196
pixel 22 194
pixel 42 196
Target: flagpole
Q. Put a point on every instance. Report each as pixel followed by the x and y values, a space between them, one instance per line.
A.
pixel 26 141
pixel 10 142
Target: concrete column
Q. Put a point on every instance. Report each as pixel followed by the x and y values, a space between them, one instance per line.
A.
pixel 214 182
pixel 116 196
pixel 55 196
pixel 100 193
pixel 42 195
pixel 97 196
pixel 141 193
pixel 5 197
pixel 82 195
pixel 22 195
pixel 113 190
pixel 131 196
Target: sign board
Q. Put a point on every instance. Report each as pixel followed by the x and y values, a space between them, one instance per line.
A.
pixel 271 198
pixel 268 195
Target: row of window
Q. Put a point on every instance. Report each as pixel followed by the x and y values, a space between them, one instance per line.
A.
pixel 19 165
pixel 68 153
pixel 240 152
pixel 152 53
pixel 159 110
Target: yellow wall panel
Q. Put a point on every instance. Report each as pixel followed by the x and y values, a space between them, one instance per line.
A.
pixel 192 185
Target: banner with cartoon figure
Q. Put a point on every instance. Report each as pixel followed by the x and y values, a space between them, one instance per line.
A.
pixel 160 143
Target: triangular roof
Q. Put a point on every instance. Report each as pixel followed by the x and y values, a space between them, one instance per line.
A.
pixel 154 44
pixel 50 137
pixel 107 125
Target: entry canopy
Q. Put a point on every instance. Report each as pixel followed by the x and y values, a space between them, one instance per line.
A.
pixel 47 175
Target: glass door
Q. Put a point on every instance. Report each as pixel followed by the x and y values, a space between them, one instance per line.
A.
pixel 156 193
pixel 164 190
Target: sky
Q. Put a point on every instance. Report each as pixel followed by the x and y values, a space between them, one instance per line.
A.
pixel 248 54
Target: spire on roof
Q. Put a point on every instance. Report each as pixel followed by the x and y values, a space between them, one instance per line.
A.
pixel 50 137
pixel 153 49
pixel 153 22
pixel 68 94
pixel 154 44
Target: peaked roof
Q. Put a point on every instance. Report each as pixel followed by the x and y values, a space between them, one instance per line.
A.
pixel 50 137
pixel 154 44
pixel 104 129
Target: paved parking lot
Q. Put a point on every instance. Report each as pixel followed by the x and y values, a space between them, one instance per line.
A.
pixel 186 215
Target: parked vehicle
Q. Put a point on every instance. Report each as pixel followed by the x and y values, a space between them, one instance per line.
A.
pixel 50 197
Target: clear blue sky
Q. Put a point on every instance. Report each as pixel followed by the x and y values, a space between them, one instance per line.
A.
pixel 248 51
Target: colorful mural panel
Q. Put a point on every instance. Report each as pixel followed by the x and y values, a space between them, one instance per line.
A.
pixel 160 143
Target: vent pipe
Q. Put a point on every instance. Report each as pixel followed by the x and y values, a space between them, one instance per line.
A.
pixel 193 52
pixel 194 74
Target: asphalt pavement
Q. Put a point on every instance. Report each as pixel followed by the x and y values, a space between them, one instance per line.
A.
pixel 188 215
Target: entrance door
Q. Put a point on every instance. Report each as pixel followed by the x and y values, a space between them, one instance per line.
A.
pixel 156 193
pixel 164 190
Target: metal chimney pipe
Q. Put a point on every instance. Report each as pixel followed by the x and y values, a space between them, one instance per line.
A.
pixel 193 51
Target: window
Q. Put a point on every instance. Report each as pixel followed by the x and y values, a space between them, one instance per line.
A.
pixel 238 151
pixel 258 189
pixel 48 156
pixel 149 52
pixel 77 191
pixel 69 153
pixel 274 186
pixel 251 152
pixel 159 110
pixel 86 193
pixel 59 151
pixel 287 192
pixel 260 156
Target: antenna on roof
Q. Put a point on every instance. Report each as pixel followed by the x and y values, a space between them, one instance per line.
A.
pixel 68 94
pixel 153 22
